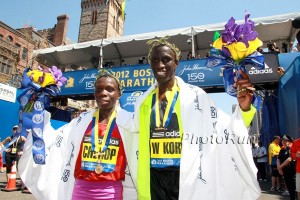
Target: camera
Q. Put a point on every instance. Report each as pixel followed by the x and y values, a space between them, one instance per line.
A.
pixel 189 41
pixel 271 46
pixel 284 47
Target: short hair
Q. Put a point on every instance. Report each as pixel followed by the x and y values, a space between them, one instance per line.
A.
pixel 162 42
pixel 105 73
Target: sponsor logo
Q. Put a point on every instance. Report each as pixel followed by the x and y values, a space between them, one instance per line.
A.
pixel 267 70
pixel 70 83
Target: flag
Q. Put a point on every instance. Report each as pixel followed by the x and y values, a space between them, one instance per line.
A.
pixel 123 9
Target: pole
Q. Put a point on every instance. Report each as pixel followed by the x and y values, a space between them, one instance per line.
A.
pixel 101 55
pixel 193 45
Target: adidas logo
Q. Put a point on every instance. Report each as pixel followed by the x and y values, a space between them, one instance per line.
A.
pixel 267 70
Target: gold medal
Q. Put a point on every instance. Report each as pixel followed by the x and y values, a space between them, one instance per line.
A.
pixel 98 169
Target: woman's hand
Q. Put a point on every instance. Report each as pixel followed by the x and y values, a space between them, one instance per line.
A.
pixel 245 91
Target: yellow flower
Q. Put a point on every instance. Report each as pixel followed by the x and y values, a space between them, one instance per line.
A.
pixel 41 78
pixel 238 50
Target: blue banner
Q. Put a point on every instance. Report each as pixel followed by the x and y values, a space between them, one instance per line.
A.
pixel 140 77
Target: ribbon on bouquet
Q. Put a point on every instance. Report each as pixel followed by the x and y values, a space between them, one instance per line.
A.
pixel 230 69
pixel 33 101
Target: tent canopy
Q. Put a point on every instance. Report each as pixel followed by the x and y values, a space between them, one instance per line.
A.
pixel 276 28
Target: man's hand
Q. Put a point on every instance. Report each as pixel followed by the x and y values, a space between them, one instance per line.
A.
pixel 245 91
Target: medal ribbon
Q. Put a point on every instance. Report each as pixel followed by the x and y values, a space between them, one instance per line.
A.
pixel 171 97
pixel 107 133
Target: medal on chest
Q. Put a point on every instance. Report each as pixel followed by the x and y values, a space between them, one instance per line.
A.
pixel 98 167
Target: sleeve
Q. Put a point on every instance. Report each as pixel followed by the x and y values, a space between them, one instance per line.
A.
pixel 248 115
pixel 293 151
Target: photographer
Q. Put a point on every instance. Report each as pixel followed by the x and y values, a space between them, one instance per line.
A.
pixel 272 47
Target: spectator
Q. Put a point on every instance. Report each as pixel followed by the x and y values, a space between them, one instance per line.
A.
pixel 262 161
pixel 287 166
pixel 189 56
pixel 1 162
pixel 292 48
pixel 272 47
pixel 14 150
pixel 260 50
pixel 254 153
pixel 207 54
pixel 295 152
pixel 274 150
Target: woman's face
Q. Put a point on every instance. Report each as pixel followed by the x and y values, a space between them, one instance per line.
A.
pixel 106 92
pixel 163 64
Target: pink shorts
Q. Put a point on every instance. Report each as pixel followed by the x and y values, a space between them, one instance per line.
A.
pixel 97 190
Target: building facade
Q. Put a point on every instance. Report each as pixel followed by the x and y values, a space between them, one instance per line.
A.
pixel 17 45
pixel 100 19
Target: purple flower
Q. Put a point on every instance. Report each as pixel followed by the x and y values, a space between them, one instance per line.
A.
pixel 228 33
pixel 239 33
pixel 57 74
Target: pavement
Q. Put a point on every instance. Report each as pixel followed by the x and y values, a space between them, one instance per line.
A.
pixel 18 195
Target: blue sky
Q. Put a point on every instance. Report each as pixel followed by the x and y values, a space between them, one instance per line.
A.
pixel 146 16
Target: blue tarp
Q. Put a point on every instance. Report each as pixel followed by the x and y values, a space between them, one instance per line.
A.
pixel 289 100
pixel 270 125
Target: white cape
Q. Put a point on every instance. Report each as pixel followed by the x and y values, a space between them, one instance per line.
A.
pixel 216 159
pixel 55 179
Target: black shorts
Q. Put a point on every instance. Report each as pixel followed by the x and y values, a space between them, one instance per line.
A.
pixel 164 184
pixel 275 172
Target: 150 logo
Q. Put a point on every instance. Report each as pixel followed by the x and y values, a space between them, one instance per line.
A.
pixel 196 77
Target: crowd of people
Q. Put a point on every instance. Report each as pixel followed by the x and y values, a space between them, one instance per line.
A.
pixel 156 152
pixel 281 162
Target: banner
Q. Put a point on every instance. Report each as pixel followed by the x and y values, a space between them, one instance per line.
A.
pixel 8 93
pixel 140 77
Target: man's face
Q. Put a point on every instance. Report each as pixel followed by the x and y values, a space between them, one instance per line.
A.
pixel 163 64
pixel 106 92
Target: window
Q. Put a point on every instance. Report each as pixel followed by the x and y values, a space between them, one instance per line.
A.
pixel 9 39
pixel 94 17
pixel 17 45
pixel 7 71
pixel 2 68
pixel 1 36
pixel 117 25
pixel 24 53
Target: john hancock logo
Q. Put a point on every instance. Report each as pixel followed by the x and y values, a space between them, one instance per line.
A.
pixel 70 83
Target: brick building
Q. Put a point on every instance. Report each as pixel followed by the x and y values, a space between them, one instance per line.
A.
pixel 17 45
pixel 100 19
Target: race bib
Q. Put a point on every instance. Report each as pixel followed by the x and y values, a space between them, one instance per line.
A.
pixel 165 150
pixel 108 160
pixel 14 150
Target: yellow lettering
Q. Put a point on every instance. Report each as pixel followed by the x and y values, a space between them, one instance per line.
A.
pixel 129 83
pixel 151 81
pixel 136 83
pixel 135 73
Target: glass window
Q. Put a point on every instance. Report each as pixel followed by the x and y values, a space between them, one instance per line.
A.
pixel 24 53
pixel 2 68
pixel 10 39
pixel 94 17
pixel 7 70
pixel 1 36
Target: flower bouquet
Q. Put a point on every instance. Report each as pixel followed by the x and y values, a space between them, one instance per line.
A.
pixel 37 85
pixel 235 48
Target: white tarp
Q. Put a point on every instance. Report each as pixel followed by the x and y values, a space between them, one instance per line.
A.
pixel 8 93
pixel 275 28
